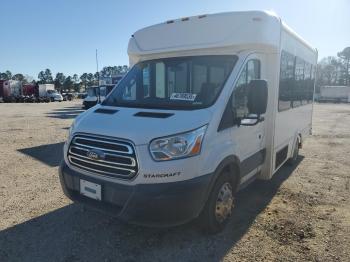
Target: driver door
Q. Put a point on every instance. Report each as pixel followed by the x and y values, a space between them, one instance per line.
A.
pixel 249 139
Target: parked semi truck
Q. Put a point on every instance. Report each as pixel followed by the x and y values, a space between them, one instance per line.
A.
pixel 28 90
pixel 5 91
pixel 10 90
pixel 201 114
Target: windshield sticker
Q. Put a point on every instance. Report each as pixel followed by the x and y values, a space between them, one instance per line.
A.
pixel 183 96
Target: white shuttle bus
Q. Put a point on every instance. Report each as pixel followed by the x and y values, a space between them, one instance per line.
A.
pixel 211 103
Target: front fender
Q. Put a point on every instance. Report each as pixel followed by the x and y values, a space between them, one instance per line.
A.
pixel 217 151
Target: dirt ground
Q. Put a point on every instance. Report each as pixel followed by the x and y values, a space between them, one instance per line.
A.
pixel 302 214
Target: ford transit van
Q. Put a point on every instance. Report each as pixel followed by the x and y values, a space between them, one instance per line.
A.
pixel 211 103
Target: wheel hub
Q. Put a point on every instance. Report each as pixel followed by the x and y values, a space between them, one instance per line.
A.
pixel 224 203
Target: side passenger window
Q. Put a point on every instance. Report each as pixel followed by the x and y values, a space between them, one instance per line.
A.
pixel 286 81
pixel 251 71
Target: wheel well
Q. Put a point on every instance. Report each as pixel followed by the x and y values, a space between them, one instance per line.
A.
pixel 233 168
pixel 300 143
pixel 231 165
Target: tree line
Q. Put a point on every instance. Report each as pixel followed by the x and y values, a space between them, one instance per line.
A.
pixel 334 70
pixel 70 82
pixel 331 70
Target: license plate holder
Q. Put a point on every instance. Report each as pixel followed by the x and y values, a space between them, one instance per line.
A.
pixel 91 190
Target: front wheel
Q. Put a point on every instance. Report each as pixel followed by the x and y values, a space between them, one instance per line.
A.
pixel 218 208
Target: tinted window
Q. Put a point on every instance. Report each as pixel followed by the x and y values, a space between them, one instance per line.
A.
pixel 239 101
pixel 297 78
pixel 298 89
pixel 307 84
pixel 286 81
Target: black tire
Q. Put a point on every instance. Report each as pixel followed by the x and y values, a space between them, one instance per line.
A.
pixel 294 159
pixel 208 219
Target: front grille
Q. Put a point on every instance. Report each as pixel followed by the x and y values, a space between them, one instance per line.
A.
pixel 112 157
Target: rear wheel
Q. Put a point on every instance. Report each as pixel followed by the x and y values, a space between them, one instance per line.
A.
pixel 219 206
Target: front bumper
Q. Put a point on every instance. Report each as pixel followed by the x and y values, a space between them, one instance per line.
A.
pixel 165 204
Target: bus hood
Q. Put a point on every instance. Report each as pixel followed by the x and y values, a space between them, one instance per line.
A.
pixel 137 124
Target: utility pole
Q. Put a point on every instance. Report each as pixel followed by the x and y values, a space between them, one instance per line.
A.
pixel 98 78
pixel 98 73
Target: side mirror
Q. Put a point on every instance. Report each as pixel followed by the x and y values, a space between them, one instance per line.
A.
pixel 257 103
pixel 257 97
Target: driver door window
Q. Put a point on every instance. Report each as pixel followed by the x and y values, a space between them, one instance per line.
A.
pixel 251 71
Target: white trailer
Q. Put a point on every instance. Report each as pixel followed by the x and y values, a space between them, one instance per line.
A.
pixel 96 94
pixel 48 90
pixel 43 88
pixel 211 103
pixel 335 94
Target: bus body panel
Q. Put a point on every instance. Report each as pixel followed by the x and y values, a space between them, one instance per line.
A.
pixel 295 122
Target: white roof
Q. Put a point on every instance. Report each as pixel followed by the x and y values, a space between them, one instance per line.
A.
pixel 242 30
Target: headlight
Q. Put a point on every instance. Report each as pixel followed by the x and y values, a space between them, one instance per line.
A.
pixel 178 146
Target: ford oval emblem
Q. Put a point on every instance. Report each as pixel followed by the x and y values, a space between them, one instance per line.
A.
pixel 95 155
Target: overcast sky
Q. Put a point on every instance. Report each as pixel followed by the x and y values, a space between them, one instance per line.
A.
pixel 63 34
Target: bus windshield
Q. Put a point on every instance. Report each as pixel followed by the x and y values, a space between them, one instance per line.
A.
pixel 173 83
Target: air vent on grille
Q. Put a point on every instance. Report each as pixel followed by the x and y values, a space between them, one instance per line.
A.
pixel 103 155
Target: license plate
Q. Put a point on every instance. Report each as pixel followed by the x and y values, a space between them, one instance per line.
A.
pixel 90 189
